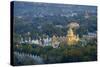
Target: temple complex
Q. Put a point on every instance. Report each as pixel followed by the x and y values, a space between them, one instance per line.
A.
pixel 55 41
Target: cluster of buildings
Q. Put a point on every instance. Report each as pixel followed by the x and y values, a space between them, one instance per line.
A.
pixel 54 41
pixel 90 36
pixel 40 41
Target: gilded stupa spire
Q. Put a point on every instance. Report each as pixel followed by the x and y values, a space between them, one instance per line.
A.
pixel 71 37
pixel 70 32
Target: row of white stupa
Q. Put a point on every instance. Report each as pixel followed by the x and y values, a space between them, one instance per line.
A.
pixel 48 41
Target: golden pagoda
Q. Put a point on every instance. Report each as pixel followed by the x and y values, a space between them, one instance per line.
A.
pixel 71 38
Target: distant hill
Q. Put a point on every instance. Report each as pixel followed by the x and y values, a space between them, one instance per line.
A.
pixel 42 18
pixel 37 9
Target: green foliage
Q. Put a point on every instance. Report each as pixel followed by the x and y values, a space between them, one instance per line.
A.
pixel 62 54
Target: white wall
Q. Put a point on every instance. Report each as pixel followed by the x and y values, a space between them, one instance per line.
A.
pixel 5 33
